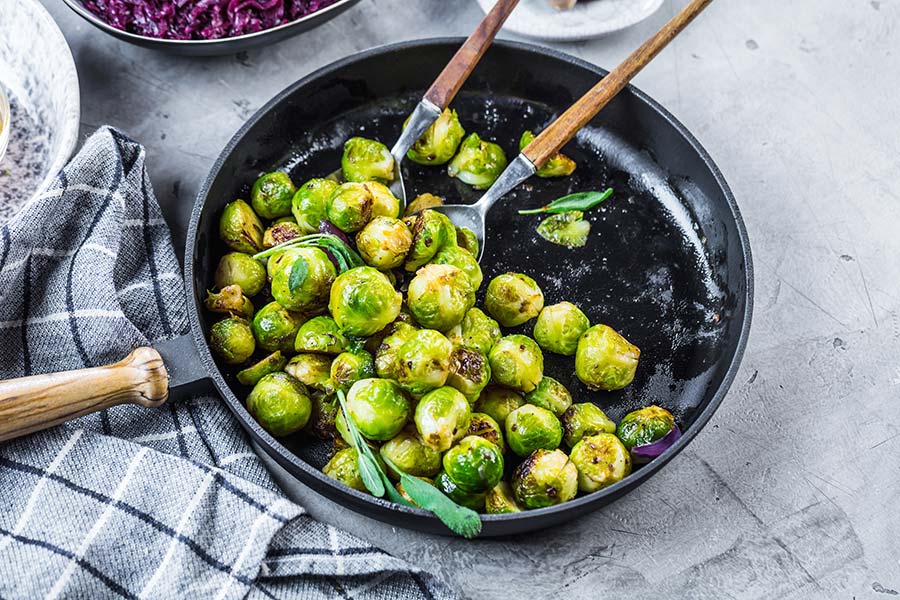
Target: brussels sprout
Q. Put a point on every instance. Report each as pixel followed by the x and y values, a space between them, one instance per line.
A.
pixel 421 202
pixel 498 402
pixel 474 464
pixel 644 426
pixel 500 500
pixel 232 339
pixel 308 204
pixel 604 360
pixel 559 326
pixel 237 268
pixel 230 301
pixel 477 332
pixel 484 426
pixel 431 231
pixel 349 207
pixel 478 163
pixel 363 301
pixel 517 362
pixel 312 370
pixel 270 364
pixel 439 142
pixel 271 195
pixel 344 467
pixel 387 364
pixel 423 361
pixel 350 367
pixel 439 296
pixel 567 229
pixel 584 419
pixel 545 478
pixel 470 372
pixel 275 327
pixel 240 228
pixel 321 335
pixel 378 407
pixel 601 461
pixel 366 160
pixel 513 299
pixel 312 292
pixel 530 428
pixel 283 230
pixel 277 261
pixel 411 455
pixel 475 501
pixel 559 165
pixel 467 240
pixel 442 417
pixel 322 420
pixel 463 260
pixel 550 394
pixel 384 242
pixel 384 203
pixel 280 403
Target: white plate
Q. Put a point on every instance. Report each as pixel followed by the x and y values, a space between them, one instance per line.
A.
pixel 589 19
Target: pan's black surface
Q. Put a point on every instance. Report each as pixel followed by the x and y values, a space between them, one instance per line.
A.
pixel 667 262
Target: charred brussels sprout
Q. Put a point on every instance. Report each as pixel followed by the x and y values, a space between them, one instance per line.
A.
pixel 308 204
pixel 344 467
pixel 350 367
pixel 366 160
pixel 378 407
pixel 312 370
pixel 423 361
pixel 469 372
pixel 584 419
pixel 384 203
pixel 550 394
pixel 478 163
pixel 439 296
pixel 545 478
pixel 318 273
pixel 230 301
pixel 280 403
pixel 421 202
pixel 431 231
pixel 349 207
pixel 601 461
pixel 270 364
pixel 320 335
pixel 500 500
pixel 559 326
pixel 517 362
pixel 363 301
pixel 442 418
pixel 232 339
pixel 644 426
pixel 439 142
pixel 283 230
pixel 467 240
pixel 386 357
pixel 384 242
pixel 461 259
pixel 474 464
pixel 604 360
pixel 240 228
pixel 322 420
pixel 411 455
pixel 530 428
pixel 484 426
pixel 477 332
pixel 513 299
pixel 498 402
pixel 475 501
pixel 237 268
pixel 275 327
pixel 559 165
pixel 271 195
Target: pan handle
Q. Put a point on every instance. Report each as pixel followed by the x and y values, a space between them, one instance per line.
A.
pixel 33 403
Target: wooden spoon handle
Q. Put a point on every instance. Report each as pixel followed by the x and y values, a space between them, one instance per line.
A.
pixel 549 142
pixel 447 84
pixel 33 403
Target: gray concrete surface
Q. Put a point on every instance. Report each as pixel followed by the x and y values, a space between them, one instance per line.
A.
pixel 793 489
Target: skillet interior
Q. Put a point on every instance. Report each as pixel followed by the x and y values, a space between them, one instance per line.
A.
pixel 667 261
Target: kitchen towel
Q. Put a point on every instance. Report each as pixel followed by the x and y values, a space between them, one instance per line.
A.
pixel 134 502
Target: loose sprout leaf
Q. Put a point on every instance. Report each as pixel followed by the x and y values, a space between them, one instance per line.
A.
pixel 579 201
pixel 566 229
pixel 369 470
pixel 299 271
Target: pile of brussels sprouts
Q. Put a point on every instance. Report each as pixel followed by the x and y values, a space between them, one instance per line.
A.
pixel 389 320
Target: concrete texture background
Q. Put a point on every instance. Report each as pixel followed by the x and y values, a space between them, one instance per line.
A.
pixel 792 490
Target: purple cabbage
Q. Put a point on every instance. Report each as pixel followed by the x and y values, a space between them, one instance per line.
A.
pixel 647 452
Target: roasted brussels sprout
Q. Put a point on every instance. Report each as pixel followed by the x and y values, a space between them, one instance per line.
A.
pixel 283 230
pixel 321 335
pixel 498 402
pixel 271 195
pixel 442 417
pixel 545 478
pixel 423 361
pixel 322 421
pixel 477 332
pixel 559 165
pixel 431 231
pixel 604 360
pixel 384 203
pixel 478 163
pixel 513 299
pixel 237 268
pixel 384 242
pixel 601 461
pixel 378 407
pixel 366 160
pixel 439 296
pixel 500 500
pixel 312 370
pixel 387 363
pixel 584 419
pixel 550 394
pixel 644 426
pixel 470 372
pixel 270 364
pixel 421 202
pixel 344 467
pixel 280 403
pixel 240 228
pixel 439 142
pixel 530 428
pixel 567 229
pixel 363 301
pixel 232 339
pixel 275 327
pixel 349 207
pixel 409 453
pixel 312 292
pixel 474 464
pixel 484 426
pixel 559 326
pixel 229 301
pixel 467 240
pixel 517 362
pixel 350 367
pixel 463 260
pixel 475 501
pixel 308 204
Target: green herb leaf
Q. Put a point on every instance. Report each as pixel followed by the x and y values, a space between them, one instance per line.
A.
pixel 579 201
pixel 299 271
pixel 369 470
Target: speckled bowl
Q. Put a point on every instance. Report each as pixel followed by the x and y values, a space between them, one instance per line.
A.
pixel 38 72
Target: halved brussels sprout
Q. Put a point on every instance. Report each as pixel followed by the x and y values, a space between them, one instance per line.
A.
pixel 439 142
pixel 442 418
pixel 604 360
pixel 545 478
pixel 321 335
pixel 344 467
pixel 470 372
pixel 363 301
pixel 431 231
pixel 500 500
pixel 559 326
pixel 322 421
pixel 421 202
pixel 312 370
pixel 232 339
pixel 498 402
pixel 423 361
pixel 308 204
pixel 462 259
pixel 384 242
pixel 280 403
pixel 411 455
pixel 513 299
pixel 474 501
pixel 237 268
pixel 517 362
pixel 271 195
pixel 530 428
pixel 479 163
pixel 584 419
pixel 601 461
pixel 384 203
pixel 387 363
pixel 318 274
pixel 283 230
pixel 644 426
pixel 474 464
pixel 484 426
pixel 477 332
pixel 366 160
pixel 378 407
pixel 467 240
pixel 350 367
pixel 275 327
pixel 550 394
pixel 229 301
pixel 439 296
pixel 240 228
pixel 559 165
pixel 270 364
pixel 349 207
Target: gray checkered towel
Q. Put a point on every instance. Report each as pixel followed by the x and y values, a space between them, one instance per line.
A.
pixel 133 502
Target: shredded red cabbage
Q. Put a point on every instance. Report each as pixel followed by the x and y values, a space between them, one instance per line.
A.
pixel 200 19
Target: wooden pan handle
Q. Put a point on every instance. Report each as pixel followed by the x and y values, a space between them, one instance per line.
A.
pixel 33 403
pixel 447 84
pixel 554 137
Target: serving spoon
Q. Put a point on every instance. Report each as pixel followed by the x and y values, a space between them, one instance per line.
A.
pixel 549 142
